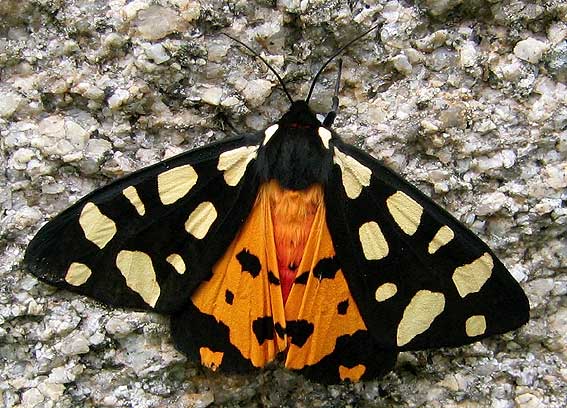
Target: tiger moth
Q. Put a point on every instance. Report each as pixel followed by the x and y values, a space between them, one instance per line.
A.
pixel 285 244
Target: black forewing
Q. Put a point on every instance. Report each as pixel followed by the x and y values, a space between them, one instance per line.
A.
pixel 409 265
pixel 158 233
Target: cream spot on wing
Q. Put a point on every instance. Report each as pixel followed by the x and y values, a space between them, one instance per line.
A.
pixel 443 237
pixel 422 310
pixel 177 262
pixel 234 162
pixel 325 136
pixel 138 270
pixel 132 195
pixel 211 359
pixel 405 211
pixel 351 374
pixel 374 244
pixel 355 176
pixel 77 274
pixel 201 219
pixel 475 325
pixel 269 133
pixel 385 291
pixel 175 183
pixel 98 228
pixel 471 277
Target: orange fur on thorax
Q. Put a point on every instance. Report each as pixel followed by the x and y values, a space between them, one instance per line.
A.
pixel 292 217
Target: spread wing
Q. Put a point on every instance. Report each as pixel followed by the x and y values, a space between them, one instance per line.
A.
pixel 419 277
pixel 148 239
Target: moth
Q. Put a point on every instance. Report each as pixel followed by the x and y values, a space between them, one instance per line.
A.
pixel 285 244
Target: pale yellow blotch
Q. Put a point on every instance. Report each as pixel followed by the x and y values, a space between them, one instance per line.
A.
pixel 269 133
pixel 405 211
pixel 385 291
pixel 234 162
pixel 138 270
pixel 422 310
pixel 77 274
pixel 355 176
pixel 97 227
pixel 351 374
pixel 475 325
pixel 374 244
pixel 443 237
pixel 174 184
pixel 201 219
pixel 177 262
pixel 471 277
pixel 132 195
pixel 325 136
pixel 211 359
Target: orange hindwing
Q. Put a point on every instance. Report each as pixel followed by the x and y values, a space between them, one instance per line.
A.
pixel 279 287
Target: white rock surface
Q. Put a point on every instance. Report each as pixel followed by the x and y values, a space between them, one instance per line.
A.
pixel 256 91
pixel 530 50
pixel 212 96
pixel 9 102
pixel 156 22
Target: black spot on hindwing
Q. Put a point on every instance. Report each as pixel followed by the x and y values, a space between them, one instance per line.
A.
pixel 280 330
pixel 326 268
pixel 302 279
pixel 249 262
pixel 263 328
pixel 342 307
pixel 228 297
pixel 273 278
pixel 299 331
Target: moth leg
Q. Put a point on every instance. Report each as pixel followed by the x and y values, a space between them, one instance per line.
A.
pixel 330 118
pixel 225 121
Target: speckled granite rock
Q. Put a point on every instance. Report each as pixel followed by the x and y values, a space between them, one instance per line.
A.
pixel 465 98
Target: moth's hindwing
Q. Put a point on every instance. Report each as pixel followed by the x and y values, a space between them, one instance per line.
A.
pixel 420 278
pixel 329 341
pixel 147 240
pixel 237 319
pixel 240 306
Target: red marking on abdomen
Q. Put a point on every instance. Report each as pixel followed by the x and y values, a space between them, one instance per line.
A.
pixel 293 212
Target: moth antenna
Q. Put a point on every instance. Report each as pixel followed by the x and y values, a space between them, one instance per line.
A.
pixel 330 118
pixel 338 52
pixel 265 62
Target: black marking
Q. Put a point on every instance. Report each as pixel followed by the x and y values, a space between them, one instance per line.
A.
pixel 326 268
pixel 273 279
pixel 249 262
pixel 263 328
pixel 302 279
pixel 342 307
pixel 192 330
pixel 299 331
pixel 351 350
pixel 280 330
pixel 292 266
pixel 228 297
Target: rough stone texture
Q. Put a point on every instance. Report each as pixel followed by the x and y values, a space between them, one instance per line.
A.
pixel 452 94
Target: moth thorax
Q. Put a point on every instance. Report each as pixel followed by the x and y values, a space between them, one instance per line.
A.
pixel 293 212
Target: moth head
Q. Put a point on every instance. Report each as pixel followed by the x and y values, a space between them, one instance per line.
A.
pixel 299 115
